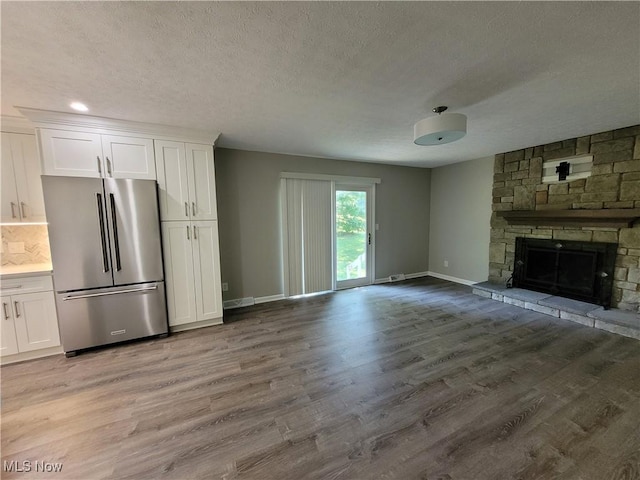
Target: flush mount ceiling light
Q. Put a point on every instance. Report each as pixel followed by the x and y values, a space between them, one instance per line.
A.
pixel 80 107
pixel 440 129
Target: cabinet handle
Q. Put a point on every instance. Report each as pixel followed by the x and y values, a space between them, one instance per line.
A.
pixel 24 213
pixel 13 210
pixel 99 166
pixel 4 307
pixel 186 209
pixel 188 236
pixel 193 208
pixel 15 305
pixel 109 167
pixel 195 232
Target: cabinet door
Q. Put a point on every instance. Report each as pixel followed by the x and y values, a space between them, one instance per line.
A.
pixel 202 182
pixel 74 154
pixel 206 261
pixel 178 265
pixel 35 320
pixel 128 157
pixel 8 341
pixel 9 196
pixel 27 171
pixel 172 180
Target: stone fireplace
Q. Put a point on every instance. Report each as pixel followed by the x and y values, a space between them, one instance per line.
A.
pixel 601 208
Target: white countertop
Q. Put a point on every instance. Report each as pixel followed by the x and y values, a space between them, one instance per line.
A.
pixel 27 270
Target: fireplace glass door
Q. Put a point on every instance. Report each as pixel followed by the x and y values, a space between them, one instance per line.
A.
pixel 578 270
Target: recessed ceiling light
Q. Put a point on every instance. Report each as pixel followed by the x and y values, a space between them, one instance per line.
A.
pixel 80 107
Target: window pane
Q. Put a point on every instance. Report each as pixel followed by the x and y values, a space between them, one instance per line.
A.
pixel 351 234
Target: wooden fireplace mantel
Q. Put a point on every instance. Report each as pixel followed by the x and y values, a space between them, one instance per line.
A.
pixel 614 218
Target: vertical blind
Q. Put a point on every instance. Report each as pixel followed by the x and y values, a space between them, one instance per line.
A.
pixel 306 225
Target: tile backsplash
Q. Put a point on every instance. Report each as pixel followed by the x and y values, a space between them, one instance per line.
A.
pixel 35 240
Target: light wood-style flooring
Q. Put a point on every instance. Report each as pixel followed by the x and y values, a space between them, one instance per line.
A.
pixel 412 380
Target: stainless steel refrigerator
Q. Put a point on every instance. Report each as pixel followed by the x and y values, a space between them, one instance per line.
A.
pixel 107 259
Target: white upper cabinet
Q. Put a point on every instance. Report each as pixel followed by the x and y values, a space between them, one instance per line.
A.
pixel 186 179
pixel 22 199
pixel 202 182
pixel 128 157
pixel 73 154
pixel 172 180
pixel 82 154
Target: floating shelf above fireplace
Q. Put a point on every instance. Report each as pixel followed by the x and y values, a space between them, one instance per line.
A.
pixel 614 218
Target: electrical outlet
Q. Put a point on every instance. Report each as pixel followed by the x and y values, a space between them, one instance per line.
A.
pixel 16 247
pixel 225 287
pixel 446 264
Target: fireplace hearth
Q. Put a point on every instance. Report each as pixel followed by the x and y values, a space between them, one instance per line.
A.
pixel 578 270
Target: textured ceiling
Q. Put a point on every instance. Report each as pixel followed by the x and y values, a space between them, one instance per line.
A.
pixel 333 79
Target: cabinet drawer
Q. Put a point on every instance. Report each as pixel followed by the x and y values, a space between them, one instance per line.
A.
pixel 13 286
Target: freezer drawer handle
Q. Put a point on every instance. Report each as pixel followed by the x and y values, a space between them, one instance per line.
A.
pixel 103 238
pixel 116 241
pixel 89 295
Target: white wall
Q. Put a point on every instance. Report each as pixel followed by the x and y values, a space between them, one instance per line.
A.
pixel 460 220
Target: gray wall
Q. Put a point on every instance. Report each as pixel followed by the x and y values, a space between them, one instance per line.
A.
pixel 460 219
pixel 248 192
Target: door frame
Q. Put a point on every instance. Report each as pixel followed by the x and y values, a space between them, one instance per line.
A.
pixel 370 190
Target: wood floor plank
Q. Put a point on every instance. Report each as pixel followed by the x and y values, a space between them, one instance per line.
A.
pixel 417 379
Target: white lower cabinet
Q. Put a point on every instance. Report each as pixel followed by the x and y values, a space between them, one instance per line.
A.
pixel 29 320
pixel 192 270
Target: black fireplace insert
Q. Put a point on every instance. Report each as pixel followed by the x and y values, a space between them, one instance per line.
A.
pixel 579 270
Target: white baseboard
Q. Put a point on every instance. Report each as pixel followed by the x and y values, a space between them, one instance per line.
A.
pixel 248 301
pixel 451 279
pixel 238 302
pixel 269 298
pixel 417 275
pixel 407 276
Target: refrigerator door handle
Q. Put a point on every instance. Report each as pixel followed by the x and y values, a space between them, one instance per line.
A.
pixel 131 290
pixel 103 238
pixel 115 232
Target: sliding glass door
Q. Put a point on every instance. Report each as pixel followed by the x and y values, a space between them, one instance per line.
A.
pixel 353 239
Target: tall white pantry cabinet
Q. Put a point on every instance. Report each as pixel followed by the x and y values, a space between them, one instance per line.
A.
pixel 189 218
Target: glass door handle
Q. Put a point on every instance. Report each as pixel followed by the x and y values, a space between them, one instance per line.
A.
pixel 369 239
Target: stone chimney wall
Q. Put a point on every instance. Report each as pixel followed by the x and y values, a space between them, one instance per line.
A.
pixel 614 183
